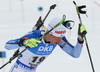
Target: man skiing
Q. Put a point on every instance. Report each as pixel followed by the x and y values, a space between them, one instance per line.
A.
pixel 39 50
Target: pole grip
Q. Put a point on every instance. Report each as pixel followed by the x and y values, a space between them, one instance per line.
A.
pixel 53 6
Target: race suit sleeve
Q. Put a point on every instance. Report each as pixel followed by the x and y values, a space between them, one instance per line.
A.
pixel 13 44
pixel 73 51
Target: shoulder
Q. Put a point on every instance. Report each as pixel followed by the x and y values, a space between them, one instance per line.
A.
pixel 37 32
pixel 32 34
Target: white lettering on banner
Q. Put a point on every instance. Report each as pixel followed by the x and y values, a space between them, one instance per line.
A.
pixel 49 48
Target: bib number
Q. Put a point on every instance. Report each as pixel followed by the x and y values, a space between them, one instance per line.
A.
pixel 36 59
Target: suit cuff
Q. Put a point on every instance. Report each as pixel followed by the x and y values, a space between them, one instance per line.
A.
pixel 81 42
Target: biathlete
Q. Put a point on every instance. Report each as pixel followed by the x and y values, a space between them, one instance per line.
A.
pixel 39 50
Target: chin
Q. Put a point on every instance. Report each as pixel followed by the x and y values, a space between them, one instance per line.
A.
pixel 55 43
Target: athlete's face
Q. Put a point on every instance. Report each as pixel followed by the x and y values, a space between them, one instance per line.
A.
pixel 55 40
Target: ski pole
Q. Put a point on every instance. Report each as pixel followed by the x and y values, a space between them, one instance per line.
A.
pixel 78 12
pixel 51 7
pixel 38 39
pixel 41 22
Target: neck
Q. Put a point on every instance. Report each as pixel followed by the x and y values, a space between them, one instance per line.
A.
pixel 47 38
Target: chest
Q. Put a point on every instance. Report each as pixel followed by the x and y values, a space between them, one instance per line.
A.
pixel 37 54
pixel 42 49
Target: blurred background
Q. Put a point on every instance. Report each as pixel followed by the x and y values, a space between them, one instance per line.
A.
pixel 17 17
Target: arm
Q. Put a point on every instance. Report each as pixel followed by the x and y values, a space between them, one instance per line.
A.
pixel 73 51
pixel 17 43
pixel 12 44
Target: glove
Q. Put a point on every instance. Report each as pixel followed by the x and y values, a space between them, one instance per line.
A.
pixel 81 31
pixel 31 42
